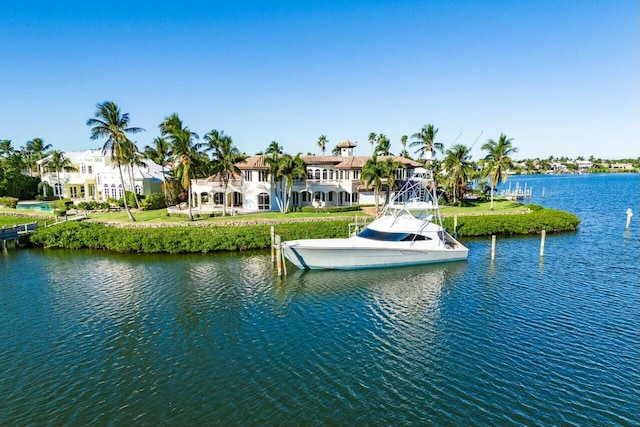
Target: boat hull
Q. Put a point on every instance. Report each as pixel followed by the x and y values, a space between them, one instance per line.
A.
pixel 343 254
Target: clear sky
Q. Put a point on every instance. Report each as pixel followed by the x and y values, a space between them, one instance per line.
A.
pixel 559 77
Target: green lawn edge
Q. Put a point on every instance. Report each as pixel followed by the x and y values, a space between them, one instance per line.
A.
pixel 240 234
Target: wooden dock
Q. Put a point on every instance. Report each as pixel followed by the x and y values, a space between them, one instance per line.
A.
pixel 519 193
pixel 12 234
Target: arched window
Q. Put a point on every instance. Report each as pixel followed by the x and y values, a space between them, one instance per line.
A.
pixel 264 201
pixel 316 174
pixel 218 198
pixel 57 189
pixel 331 174
pixel 113 191
pixel 324 174
pixel 119 191
pixel 309 174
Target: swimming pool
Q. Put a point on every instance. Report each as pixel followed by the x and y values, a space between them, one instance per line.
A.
pixel 35 206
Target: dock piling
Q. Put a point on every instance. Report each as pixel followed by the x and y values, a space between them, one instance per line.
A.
pixel 493 247
pixel 542 237
pixel 629 215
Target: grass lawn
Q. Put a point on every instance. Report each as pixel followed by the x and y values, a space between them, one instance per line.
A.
pixel 160 216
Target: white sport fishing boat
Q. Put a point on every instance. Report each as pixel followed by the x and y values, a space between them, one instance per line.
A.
pixel 407 232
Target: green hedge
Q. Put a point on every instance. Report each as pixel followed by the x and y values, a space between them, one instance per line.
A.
pixel 76 235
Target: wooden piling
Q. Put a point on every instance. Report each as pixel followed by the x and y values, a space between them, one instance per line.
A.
pixel 629 215
pixel 455 226
pixel 542 237
pixel 278 249
pixel 273 242
pixel 543 192
pixel 493 247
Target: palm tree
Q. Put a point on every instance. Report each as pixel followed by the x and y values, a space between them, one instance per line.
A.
pixel 498 160
pixel 384 146
pixel 372 141
pixel 392 166
pixel 160 154
pixel 336 151
pixel 404 153
pixel 6 149
pixel 226 156
pixel 133 158
pixel 36 151
pixel 322 143
pixel 186 154
pixel 111 124
pixel 286 170
pixel 457 163
pixel 57 162
pixel 374 172
pixel 424 141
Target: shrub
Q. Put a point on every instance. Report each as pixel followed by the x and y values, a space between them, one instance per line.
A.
pixel 60 212
pixel 10 202
pixel 153 201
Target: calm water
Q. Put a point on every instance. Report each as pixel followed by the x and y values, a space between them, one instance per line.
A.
pixel 97 338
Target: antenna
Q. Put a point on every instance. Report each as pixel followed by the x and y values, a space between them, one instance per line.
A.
pixel 476 140
pixel 454 141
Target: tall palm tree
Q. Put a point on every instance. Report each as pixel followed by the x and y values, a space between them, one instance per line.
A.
pixel 336 151
pixel 457 163
pixel 372 141
pixel 37 150
pixel 59 162
pixel 226 156
pixel 133 158
pixel 403 140
pixel 110 123
pixel 322 143
pixel 186 154
pixel 383 146
pixel 498 160
pixel 374 171
pixel 425 143
pixel 160 154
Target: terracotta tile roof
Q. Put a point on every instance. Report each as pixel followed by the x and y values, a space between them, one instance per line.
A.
pixel 347 144
pixel 256 162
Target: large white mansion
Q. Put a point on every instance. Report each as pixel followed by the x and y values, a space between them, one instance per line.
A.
pixel 97 178
pixel 330 181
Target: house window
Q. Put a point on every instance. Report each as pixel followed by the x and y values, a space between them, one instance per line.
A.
pixel 316 174
pixel 74 192
pixel 237 198
pixel 114 195
pixel 296 199
pixel 90 169
pixel 218 198
pixel 83 168
pixel 324 174
pixel 309 174
pixel 263 201
pixel 354 199
pixel 57 190
pixel 119 191
pixel 138 189
pixel 341 174
pixel 247 175
pixel 356 174
pixel 331 174
pixel 331 197
pixel 304 196
pixel 262 176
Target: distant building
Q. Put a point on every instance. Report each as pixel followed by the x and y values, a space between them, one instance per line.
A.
pixel 583 165
pixel 97 177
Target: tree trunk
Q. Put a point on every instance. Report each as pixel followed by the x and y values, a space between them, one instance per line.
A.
pixel 189 201
pixel 124 195
pixel 133 186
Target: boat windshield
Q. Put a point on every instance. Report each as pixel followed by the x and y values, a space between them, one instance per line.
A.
pixel 367 233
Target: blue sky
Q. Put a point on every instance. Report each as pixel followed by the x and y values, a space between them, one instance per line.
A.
pixel 559 77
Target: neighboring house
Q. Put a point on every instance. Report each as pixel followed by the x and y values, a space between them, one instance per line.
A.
pixel 330 181
pixel 97 178
pixel 628 167
pixel 583 165
pixel 558 168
